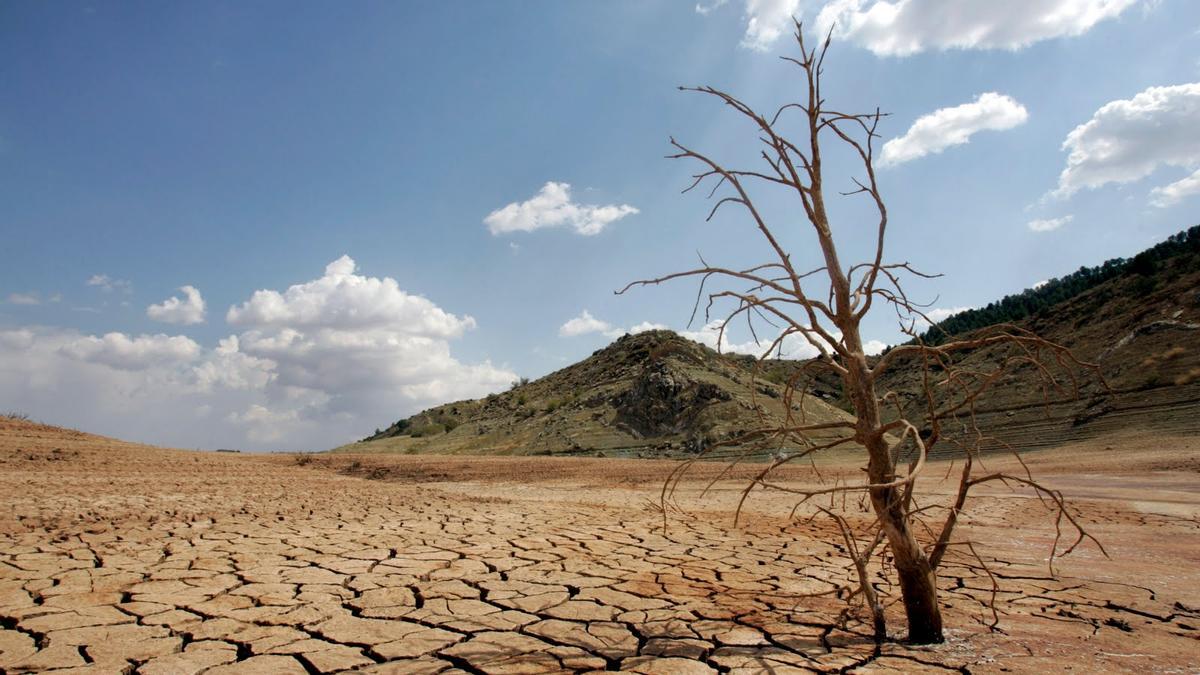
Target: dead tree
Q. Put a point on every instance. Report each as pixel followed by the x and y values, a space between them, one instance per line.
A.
pixel 895 434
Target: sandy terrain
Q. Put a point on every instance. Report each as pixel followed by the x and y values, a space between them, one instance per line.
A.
pixel 123 558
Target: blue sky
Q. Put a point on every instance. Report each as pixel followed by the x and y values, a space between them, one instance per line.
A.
pixel 242 149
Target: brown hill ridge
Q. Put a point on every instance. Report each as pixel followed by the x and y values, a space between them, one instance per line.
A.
pixel 650 394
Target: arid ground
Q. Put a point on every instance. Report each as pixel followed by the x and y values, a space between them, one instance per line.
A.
pixel 122 558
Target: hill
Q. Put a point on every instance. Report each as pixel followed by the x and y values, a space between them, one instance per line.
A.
pixel 1136 319
pixel 1179 253
pixel 650 394
pixel 24 442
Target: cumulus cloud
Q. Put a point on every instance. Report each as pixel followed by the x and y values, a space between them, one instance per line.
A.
pixel 228 367
pixel 1048 224
pixel 582 325
pixel 1170 195
pixel 313 366
pixel 767 21
pixel 360 345
pixel 904 27
pixel 645 326
pixel 874 347
pixel 123 352
pixel 109 284
pixel 585 324
pixel 24 299
pixel 1127 140
pixel 946 127
pixel 263 424
pixel 188 310
pixel 552 207
pixel 139 387
pixel 939 314
pixel 347 301
pixel 151 388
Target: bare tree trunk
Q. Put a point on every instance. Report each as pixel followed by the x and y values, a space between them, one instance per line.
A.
pixel 918 583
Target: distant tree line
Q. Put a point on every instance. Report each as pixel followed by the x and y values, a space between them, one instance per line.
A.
pixel 1145 265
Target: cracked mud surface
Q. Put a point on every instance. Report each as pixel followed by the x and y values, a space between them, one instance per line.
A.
pixel 122 558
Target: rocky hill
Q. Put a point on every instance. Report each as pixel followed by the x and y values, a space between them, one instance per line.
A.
pixel 650 394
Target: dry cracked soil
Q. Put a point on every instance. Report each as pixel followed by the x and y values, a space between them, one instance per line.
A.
pixel 123 558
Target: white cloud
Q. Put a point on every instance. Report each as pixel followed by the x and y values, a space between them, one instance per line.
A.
pixel 263 424
pixel 903 27
pixel 551 207
pixel 1048 224
pixel 346 301
pixel 644 327
pixel 946 127
pixel 108 284
pixel 140 388
pixel 360 345
pixel 186 311
pixel 314 366
pixel 704 10
pixel 874 347
pixel 767 21
pixel 582 325
pixel 1170 195
pixel 229 368
pixel 793 346
pixel 138 353
pixel 940 314
pixel 1039 284
pixel 585 324
pixel 24 299
pixel 150 388
pixel 1127 140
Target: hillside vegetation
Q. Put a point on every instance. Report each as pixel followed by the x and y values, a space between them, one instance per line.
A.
pixel 1136 320
pixel 1162 263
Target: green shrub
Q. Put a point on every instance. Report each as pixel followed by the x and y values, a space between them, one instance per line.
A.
pixel 427 430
